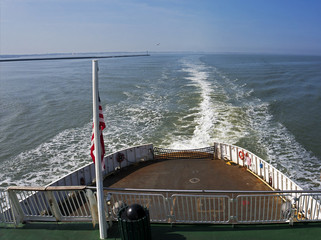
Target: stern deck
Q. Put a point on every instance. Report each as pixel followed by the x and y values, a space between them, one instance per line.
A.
pixel 186 174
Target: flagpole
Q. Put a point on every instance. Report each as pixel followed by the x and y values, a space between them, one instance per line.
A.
pixel 99 182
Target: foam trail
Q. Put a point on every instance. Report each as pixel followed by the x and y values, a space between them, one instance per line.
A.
pixel 214 119
pixel 204 116
pixel 283 151
pixel 64 153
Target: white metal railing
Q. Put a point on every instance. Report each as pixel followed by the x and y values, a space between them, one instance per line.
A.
pixel 310 207
pixel 51 203
pixel 86 175
pixel 58 202
pixel 155 202
pixel 6 215
pixel 78 204
pixel 220 207
pixel 200 208
pixel 262 208
pixel 258 166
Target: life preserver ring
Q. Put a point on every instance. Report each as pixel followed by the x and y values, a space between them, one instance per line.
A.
pixel 241 155
pixel 120 157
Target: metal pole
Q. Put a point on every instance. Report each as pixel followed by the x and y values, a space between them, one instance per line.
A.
pixel 99 182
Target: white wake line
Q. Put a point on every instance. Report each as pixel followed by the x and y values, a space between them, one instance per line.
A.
pixel 204 117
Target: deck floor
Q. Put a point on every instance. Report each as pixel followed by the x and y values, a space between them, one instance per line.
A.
pixel 186 174
pixel 54 231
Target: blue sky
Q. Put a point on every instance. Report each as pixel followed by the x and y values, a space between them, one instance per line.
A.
pixel 249 26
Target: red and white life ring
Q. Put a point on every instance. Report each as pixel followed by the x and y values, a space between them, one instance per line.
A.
pixel 120 157
pixel 241 155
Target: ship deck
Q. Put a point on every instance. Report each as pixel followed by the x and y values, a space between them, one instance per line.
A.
pixel 53 231
pixel 186 174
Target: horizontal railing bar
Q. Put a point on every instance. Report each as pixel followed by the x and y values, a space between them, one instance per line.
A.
pixel 206 191
pixel 62 188
pixel 50 188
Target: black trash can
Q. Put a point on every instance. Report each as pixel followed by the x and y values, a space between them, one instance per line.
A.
pixel 134 223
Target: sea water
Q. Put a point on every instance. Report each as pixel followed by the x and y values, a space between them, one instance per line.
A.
pixel 270 105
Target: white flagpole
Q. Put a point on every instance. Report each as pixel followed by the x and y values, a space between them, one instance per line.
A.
pixel 99 182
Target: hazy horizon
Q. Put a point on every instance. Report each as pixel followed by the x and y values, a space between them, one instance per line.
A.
pixel 235 26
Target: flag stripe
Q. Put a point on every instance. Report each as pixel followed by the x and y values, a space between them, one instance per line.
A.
pixel 102 126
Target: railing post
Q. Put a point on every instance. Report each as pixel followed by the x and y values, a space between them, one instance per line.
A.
pixel 232 206
pixel 18 214
pixel 93 206
pixel 53 205
pixel 170 215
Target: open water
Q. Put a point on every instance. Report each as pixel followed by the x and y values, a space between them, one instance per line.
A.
pixel 271 105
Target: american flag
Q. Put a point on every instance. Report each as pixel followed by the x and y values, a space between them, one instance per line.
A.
pixel 102 126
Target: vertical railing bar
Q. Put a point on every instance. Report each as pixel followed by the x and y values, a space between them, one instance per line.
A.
pixel 174 205
pixel 268 210
pixel 47 204
pixel 159 207
pixel 193 217
pixel 27 206
pixel 247 208
pixel 83 199
pixel 183 207
pixel 68 203
pixel 180 209
pixel 319 205
pixel 277 199
pixel 241 207
pixel 211 210
pixel 59 201
pixel 223 219
pixel 79 206
pixel 187 205
pixel 206 208
pixel 260 201
pixel 306 205
pixel 74 209
pixel 122 198
pixel 161 211
pixel 264 207
pixel 151 204
pixel 251 207
pixel 23 199
pixel 132 198
pixel 309 204
pixel 206 213
pixel 186 200
pixel 57 197
pixel 272 208
pixel 43 200
pixel 34 199
pixel 164 210
pixel 40 204
pixel 87 203
pixel 196 206
pixel 255 217
pixel 313 204
pixel 83 206
pixel 316 208
pixel 219 208
pixel 193 213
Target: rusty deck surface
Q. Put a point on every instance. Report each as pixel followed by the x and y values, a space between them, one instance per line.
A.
pixel 186 174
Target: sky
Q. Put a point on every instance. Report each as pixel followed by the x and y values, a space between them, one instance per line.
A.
pixel 229 26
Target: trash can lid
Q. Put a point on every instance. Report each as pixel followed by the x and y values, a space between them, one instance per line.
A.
pixel 135 212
